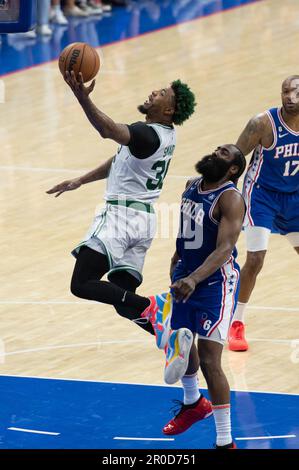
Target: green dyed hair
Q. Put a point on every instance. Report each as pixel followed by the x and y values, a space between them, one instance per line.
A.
pixel 184 102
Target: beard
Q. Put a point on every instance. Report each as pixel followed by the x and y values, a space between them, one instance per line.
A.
pixel 212 168
pixel 142 109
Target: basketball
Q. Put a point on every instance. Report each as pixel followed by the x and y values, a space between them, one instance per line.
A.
pixel 80 57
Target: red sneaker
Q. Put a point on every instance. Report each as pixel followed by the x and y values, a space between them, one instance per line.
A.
pixel 236 337
pixel 228 446
pixel 188 415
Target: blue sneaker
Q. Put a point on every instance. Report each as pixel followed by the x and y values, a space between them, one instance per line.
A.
pixel 177 355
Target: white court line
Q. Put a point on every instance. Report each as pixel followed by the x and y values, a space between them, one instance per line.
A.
pixel 126 341
pixel 34 431
pixel 266 340
pixel 73 302
pixel 143 439
pixel 67 379
pixel 73 346
pixel 257 438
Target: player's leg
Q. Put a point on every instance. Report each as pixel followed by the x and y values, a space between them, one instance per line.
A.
pixel 86 282
pixel 262 208
pixel 127 281
pixel 210 353
pixel 127 273
pixel 194 407
pixel 293 238
pixel 257 239
pixel 104 245
pixel 208 314
pixel 288 223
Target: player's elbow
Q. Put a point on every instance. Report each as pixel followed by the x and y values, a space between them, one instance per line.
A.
pixel 225 251
pixel 105 133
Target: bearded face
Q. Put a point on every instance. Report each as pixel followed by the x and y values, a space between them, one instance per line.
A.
pixel 213 168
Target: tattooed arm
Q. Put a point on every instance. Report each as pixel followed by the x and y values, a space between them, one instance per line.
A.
pixel 257 131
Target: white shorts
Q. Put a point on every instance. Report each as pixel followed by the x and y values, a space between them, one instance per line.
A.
pixel 124 235
pixel 257 238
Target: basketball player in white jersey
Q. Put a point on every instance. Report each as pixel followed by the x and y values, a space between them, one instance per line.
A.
pixel 271 191
pixel 122 232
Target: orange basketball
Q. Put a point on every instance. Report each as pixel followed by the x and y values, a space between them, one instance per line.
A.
pixel 80 57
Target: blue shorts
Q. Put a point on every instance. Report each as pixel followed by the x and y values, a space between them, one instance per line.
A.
pixel 279 212
pixel 209 310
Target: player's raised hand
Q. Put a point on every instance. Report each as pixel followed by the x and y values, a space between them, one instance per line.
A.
pixel 68 185
pixel 77 85
pixel 183 289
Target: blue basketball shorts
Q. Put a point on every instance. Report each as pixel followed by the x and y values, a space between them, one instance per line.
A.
pixel 278 212
pixel 209 310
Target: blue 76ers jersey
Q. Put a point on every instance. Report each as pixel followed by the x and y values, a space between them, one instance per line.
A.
pixel 197 237
pixel 277 167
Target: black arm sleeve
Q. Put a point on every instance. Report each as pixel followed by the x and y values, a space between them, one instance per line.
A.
pixel 144 140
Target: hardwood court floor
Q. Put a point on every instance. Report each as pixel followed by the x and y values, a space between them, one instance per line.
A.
pixel 235 62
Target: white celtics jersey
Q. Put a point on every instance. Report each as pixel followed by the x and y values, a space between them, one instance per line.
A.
pixel 141 179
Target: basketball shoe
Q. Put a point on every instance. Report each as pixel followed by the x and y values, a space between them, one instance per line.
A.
pixel 177 353
pixel 188 415
pixel 232 445
pixel 159 314
pixel 236 337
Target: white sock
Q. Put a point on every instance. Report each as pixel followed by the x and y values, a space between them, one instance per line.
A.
pixel 191 392
pixel 221 415
pixel 239 314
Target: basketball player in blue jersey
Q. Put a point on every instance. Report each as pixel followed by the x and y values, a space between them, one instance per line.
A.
pixel 271 191
pixel 205 284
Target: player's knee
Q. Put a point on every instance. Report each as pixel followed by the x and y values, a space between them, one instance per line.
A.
pixel 208 367
pixel 255 261
pixel 77 288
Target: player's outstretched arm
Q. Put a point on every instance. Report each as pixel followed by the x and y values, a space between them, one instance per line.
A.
pixel 99 173
pixel 107 128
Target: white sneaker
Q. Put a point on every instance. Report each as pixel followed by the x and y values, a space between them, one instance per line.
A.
pixel 44 30
pixel 28 34
pixel 75 11
pixel 58 17
pixel 106 8
pixel 95 10
pixel 87 9
pixel 177 355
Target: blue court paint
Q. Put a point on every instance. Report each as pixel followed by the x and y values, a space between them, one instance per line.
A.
pixel 88 415
pixel 17 53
